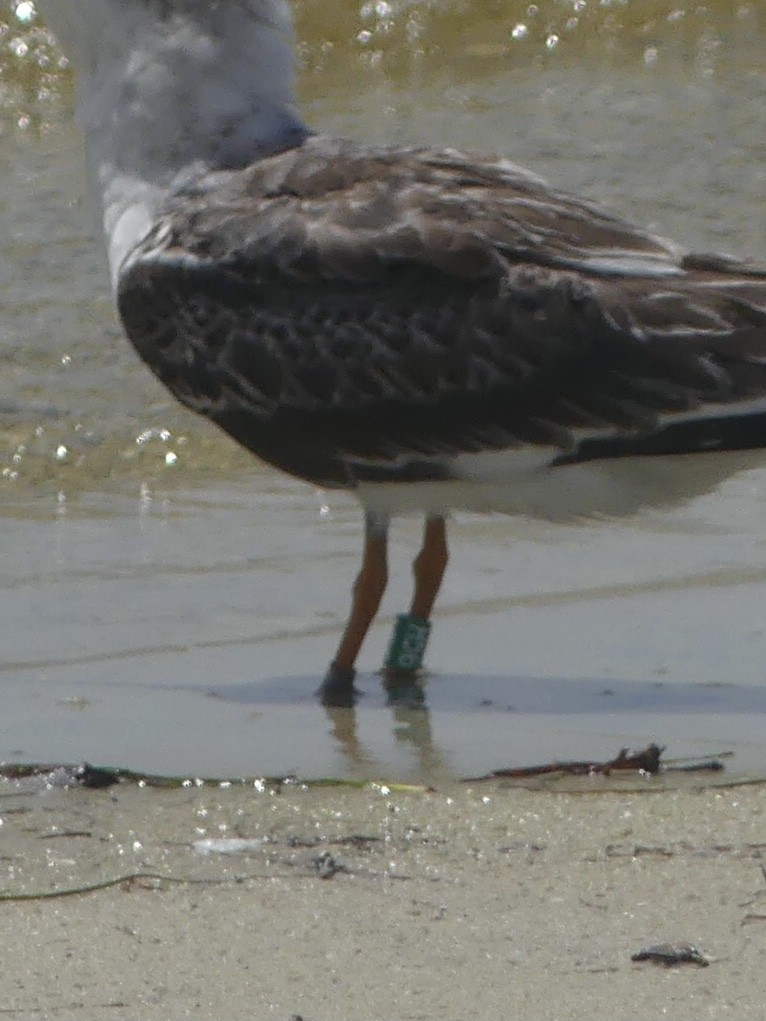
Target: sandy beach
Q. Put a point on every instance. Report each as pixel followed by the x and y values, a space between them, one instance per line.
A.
pixel 466 901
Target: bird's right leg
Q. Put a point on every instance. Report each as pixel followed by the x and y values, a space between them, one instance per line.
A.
pixel 338 685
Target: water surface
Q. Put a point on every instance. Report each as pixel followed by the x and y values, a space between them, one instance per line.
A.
pixel 170 605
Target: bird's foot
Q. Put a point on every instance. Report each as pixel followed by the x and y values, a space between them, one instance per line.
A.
pixel 337 688
pixel 403 688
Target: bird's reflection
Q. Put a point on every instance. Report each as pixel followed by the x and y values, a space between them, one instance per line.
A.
pixel 406 697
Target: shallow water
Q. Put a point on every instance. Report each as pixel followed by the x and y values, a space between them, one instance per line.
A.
pixel 169 605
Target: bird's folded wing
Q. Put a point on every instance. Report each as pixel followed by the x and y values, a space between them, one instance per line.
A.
pixel 379 305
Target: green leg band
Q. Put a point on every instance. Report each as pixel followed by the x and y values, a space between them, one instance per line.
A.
pixel 408 643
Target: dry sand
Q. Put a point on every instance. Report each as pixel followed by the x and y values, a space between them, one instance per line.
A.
pixel 486 900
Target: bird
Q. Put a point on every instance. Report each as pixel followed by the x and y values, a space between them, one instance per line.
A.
pixel 427 328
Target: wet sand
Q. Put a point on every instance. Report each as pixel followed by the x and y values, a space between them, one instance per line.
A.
pixel 470 901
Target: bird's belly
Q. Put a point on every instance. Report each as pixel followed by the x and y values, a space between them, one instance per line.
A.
pixel 525 483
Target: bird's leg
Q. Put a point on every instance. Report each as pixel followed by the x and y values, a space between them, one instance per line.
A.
pixel 338 685
pixel 429 567
pixel 405 653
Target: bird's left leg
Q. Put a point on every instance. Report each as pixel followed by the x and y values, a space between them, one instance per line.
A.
pixel 338 685
pixel 405 653
pixel 429 567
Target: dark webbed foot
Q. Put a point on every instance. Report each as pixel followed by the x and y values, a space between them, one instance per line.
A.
pixel 403 688
pixel 337 688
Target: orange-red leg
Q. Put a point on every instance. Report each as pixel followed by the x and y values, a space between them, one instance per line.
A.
pixel 429 567
pixel 408 642
pixel 367 594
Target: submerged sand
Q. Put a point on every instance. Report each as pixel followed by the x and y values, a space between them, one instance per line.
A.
pixel 480 900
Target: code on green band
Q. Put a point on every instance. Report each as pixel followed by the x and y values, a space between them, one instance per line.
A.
pixel 408 643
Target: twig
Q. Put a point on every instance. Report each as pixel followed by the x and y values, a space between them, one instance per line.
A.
pixel 646 761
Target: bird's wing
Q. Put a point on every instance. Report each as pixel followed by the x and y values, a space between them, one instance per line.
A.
pixel 346 311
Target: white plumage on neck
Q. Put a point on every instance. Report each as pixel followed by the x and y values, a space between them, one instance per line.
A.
pixel 167 88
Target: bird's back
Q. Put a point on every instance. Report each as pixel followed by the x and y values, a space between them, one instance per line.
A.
pixel 360 315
